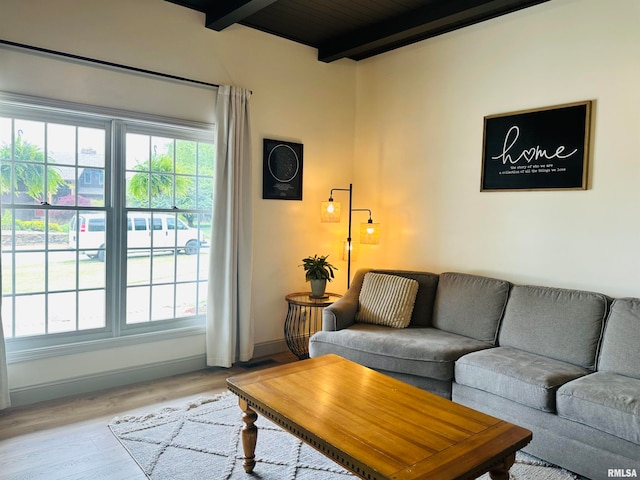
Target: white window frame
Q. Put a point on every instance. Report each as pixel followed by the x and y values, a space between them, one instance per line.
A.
pixel 116 122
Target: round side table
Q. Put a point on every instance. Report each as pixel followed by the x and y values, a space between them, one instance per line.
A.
pixel 304 318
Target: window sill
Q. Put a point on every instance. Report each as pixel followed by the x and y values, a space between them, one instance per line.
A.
pixel 93 345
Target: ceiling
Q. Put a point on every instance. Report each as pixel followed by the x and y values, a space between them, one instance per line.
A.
pixel 355 29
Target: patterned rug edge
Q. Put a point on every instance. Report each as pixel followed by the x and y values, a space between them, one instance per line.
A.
pixel 161 415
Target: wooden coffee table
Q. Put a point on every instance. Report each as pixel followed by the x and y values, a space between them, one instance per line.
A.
pixel 373 425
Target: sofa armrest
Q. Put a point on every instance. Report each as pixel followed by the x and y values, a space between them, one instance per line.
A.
pixel 342 313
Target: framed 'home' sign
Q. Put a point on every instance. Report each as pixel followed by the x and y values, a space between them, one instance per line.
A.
pixel 540 149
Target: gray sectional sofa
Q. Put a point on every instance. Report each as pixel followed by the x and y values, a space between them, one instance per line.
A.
pixel 563 363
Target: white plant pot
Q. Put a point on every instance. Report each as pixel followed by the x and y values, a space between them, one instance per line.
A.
pixel 318 287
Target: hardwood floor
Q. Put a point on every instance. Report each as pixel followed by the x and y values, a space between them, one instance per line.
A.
pixel 68 438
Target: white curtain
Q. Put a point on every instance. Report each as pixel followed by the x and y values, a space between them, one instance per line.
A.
pixel 229 319
pixel 4 378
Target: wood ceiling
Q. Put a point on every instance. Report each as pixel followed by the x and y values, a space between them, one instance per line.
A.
pixel 355 29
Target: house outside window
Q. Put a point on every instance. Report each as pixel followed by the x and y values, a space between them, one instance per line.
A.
pixel 105 226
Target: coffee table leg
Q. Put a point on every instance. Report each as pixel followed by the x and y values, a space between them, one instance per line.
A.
pixel 249 436
pixel 501 472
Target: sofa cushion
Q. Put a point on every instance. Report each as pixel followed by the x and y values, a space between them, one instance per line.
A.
pixel 470 305
pixel 606 401
pixel 423 308
pixel 562 324
pixel 426 352
pixel 386 300
pixel 620 351
pixel 519 376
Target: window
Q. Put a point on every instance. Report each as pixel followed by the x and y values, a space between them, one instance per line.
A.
pixel 169 182
pixel 101 243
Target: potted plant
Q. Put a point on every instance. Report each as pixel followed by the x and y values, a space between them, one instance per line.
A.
pixel 318 271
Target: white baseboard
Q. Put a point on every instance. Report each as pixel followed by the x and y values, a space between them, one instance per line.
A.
pixel 116 378
pixel 269 348
pixel 100 381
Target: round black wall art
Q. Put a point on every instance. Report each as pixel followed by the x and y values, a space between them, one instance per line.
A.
pixel 282 170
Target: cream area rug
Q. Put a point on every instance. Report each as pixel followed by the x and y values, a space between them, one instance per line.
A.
pixel 202 440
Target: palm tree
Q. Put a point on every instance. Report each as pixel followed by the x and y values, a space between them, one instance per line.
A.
pixel 29 176
pixel 161 189
pixel 194 186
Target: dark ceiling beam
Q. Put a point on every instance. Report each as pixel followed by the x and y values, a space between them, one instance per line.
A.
pixel 224 13
pixel 419 24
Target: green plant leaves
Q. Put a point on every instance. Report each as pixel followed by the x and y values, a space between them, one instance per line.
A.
pixel 318 268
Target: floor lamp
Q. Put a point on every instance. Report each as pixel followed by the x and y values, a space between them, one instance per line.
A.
pixel 369 232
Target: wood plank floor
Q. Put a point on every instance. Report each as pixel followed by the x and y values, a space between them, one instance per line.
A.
pixel 68 438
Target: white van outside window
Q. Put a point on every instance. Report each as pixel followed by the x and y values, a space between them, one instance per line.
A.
pixel 145 232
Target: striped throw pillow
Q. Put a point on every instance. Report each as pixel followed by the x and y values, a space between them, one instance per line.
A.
pixel 386 300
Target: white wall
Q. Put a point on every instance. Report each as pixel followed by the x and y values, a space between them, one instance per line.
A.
pixel 416 115
pixel 295 98
pixel 419 134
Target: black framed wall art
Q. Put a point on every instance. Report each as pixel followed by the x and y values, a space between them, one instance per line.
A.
pixel 538 149
pixel 282 170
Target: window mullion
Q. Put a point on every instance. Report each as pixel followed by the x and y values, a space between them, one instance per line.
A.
pixel 117 229
pixel 45 202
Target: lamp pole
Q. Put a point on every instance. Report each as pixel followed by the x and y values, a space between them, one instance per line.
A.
pixel 333 217
pixel 350 190
pixel 349 238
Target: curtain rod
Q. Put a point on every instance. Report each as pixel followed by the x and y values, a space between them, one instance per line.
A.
pixel 104 62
